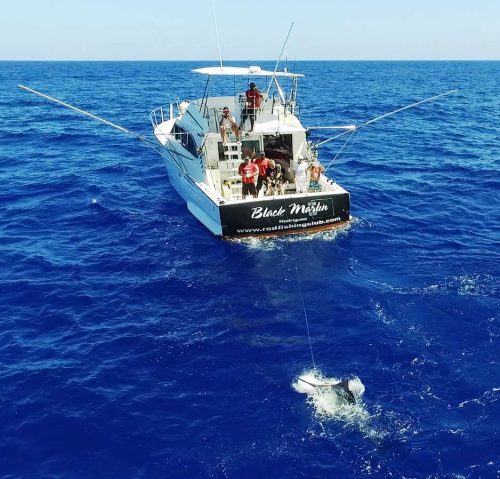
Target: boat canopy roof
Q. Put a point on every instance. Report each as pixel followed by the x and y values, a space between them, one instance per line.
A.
pixel 244 71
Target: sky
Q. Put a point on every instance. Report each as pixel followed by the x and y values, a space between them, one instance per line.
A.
pixel 250 30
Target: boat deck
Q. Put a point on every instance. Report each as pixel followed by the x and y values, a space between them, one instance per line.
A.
pixel 225 159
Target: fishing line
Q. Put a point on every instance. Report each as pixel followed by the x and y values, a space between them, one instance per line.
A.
pixel 340 151
pixel 305 315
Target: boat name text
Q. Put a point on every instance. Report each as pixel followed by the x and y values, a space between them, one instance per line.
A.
pixel 311 209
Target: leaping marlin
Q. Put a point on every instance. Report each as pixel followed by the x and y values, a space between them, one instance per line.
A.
pixel 341 389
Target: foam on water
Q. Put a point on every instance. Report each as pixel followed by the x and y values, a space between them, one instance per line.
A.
pixel 326 402
pixel 329 406
pixel 473 284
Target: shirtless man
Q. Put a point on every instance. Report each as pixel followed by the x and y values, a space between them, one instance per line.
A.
pixel 228 123
pixel 315 171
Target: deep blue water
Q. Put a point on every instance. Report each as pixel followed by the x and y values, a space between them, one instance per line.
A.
pixel 135 344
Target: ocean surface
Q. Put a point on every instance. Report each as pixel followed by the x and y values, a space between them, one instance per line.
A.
pixel 134 344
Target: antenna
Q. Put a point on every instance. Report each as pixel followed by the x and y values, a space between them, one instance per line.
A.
pixel 217 33
pixel 279 59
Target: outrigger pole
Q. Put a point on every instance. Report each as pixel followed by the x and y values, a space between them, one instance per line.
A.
pixel 217 33
pixel 354 128
pixel 83 112
pixel 279 59
pixel 148 143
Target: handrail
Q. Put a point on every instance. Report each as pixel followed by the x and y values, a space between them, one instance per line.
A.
pixel 164 112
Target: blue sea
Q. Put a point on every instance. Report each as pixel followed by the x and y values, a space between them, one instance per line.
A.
pixel 134 344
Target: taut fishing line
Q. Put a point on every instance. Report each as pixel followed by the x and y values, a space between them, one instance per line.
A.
pixel 330 397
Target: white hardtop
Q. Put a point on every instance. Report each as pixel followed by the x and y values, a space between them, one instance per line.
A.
pixel 244 71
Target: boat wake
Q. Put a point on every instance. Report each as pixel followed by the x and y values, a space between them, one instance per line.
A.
pixel 269 243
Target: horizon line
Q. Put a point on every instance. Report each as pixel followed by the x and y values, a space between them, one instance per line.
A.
pixel 262 60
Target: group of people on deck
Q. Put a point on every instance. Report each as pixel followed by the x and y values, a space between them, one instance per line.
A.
pixel 228 122
pixel 260 172
pixel 270 177
pixel 267 173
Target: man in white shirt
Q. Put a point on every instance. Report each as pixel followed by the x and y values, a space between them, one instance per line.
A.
pixel 301 175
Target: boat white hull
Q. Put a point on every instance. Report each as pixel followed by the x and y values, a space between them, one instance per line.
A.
pixel 198 202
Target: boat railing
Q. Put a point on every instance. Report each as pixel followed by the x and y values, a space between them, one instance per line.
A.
pixel 213 115
pixel 185 138
pixel 162 114
pixel 277 104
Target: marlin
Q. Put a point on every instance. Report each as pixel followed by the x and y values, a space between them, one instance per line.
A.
pixel 341 389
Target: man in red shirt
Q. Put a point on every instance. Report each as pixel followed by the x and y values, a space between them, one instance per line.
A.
pixel 254 99
pixel 248 172
pixel 262 162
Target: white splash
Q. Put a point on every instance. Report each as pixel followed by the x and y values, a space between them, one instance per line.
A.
pixel 329 404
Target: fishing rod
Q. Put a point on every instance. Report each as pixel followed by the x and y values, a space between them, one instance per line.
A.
pixel 354 128
pixel 172 153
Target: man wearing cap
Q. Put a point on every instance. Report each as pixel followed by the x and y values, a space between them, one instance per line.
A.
pixel 262 163
pixel 248 172
pixel 254 98
pixel 228 123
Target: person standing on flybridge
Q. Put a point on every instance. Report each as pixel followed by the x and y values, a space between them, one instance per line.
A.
pixel 301 175
pixel 254 98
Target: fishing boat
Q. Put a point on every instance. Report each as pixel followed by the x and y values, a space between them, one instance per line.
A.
pixel 204 165
pixel 205 170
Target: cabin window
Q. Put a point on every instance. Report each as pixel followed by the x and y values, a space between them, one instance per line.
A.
pixel 279 148
pixel 250 148
pixel 186 139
